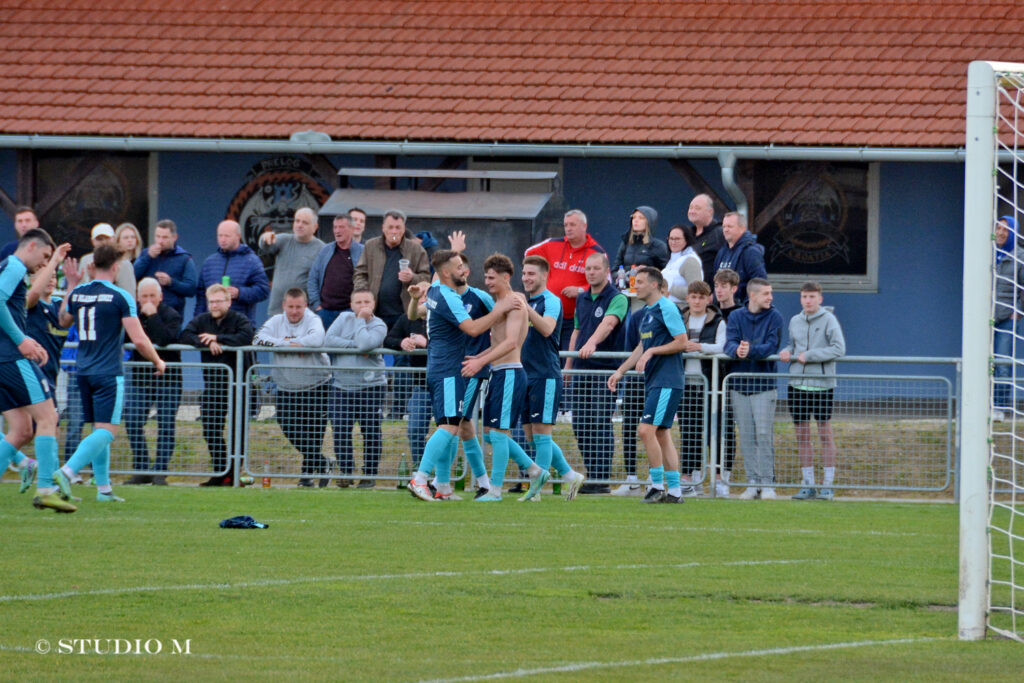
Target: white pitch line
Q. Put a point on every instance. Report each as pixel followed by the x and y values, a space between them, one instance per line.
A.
pixel 699 529
pixel 706 657
pixel 262 583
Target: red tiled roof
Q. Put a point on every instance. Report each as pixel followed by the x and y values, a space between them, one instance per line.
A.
pixel 732 72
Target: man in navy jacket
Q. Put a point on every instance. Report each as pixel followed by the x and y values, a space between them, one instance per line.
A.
pixel 170 265
pixel 248 285
pixel 741 253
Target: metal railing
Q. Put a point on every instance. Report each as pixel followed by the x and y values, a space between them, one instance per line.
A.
pixel 893 432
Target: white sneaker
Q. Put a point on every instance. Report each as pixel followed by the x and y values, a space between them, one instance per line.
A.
pixel 628 490
pixel 721 489
pixel 690 491
pixel 768 494
pixel 750 494
pixel 998 416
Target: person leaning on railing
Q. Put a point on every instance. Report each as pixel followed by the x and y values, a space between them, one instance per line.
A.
pixel 211 331
pixel 359 384
pixel 162 324
pixel 301 393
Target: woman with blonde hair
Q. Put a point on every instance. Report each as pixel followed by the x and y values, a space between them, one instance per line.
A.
pixel 639 245
pixel 128 241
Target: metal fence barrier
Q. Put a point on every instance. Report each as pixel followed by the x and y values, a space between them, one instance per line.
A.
pixel 892 432
pixel 165 428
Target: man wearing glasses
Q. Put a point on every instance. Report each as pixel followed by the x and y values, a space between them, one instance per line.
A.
pixel 218 327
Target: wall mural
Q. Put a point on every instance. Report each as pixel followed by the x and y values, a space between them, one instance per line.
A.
pixel 273 189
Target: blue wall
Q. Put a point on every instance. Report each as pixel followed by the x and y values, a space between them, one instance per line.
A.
pixel 915 312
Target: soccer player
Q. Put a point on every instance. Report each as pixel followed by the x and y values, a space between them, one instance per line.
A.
pixel 25 394
pixel 658 356
pixel 506 387
pixel 449 327
pixel 543 373
pixel 103 312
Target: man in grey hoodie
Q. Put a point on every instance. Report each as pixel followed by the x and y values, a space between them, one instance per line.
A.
pixel 359 384
pixel 815 341
pixel 301 393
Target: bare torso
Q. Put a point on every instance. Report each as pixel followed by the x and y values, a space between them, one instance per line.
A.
pixel 515 321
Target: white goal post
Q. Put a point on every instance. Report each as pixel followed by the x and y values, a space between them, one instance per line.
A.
pixel 991 594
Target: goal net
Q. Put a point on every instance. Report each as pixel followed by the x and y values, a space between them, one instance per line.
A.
pixel 992 411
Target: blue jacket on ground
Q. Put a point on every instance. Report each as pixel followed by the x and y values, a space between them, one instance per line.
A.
pixel 178 264
pixel 245 269
pixel 746 257
pixel 763 331
pixel 316 271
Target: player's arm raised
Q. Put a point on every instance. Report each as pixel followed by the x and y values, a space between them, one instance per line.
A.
pixel 138 336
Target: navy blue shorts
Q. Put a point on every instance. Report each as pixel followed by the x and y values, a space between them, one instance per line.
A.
pixel 469 399
pixel 660 406
pixel 506 394
pixel 446 397
pixel 543 397
pixel 102 398
pixel 22 384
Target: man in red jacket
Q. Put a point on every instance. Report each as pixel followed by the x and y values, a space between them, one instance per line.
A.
pixel 567 257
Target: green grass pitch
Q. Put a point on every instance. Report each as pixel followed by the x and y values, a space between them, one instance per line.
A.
pixel 374 585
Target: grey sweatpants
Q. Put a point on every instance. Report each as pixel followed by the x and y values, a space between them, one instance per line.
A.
pixel 755 417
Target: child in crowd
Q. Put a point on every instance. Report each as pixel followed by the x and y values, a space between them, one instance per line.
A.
pixel 705 332
pixel 727 282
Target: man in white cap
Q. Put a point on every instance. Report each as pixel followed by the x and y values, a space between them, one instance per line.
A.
pixel 103 233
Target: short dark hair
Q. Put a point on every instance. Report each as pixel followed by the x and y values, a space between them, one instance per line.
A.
pixel 688 234
pixel 698 287
pixel 356 208
pixel 37 235
pixel 441 257
pixel 363 290
pixel 537 260
pixel 811 286
pixel 105 256
pixel 295 293
pixel 26 209
pixel 395 213
pixel 168 224
pixel 757 283
pixel 653 274
pixel 728 276
pixel 499 263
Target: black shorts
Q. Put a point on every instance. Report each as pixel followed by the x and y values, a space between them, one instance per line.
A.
pixel 806 404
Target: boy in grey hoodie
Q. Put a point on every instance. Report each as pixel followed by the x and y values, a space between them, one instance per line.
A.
pixel 815 341
pixel 301 393
pixel 359 384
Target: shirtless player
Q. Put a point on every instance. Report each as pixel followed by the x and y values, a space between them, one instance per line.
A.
pixel 506 388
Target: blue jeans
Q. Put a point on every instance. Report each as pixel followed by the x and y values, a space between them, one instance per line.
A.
pixel 1002 345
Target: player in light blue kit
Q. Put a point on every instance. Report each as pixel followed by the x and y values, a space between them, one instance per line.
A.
pixel 662 340
pixel 25 394
pixel 544 374
pixel 103 312
pixel 449 327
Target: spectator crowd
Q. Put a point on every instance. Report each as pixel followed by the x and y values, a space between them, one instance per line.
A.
pixel 669 303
